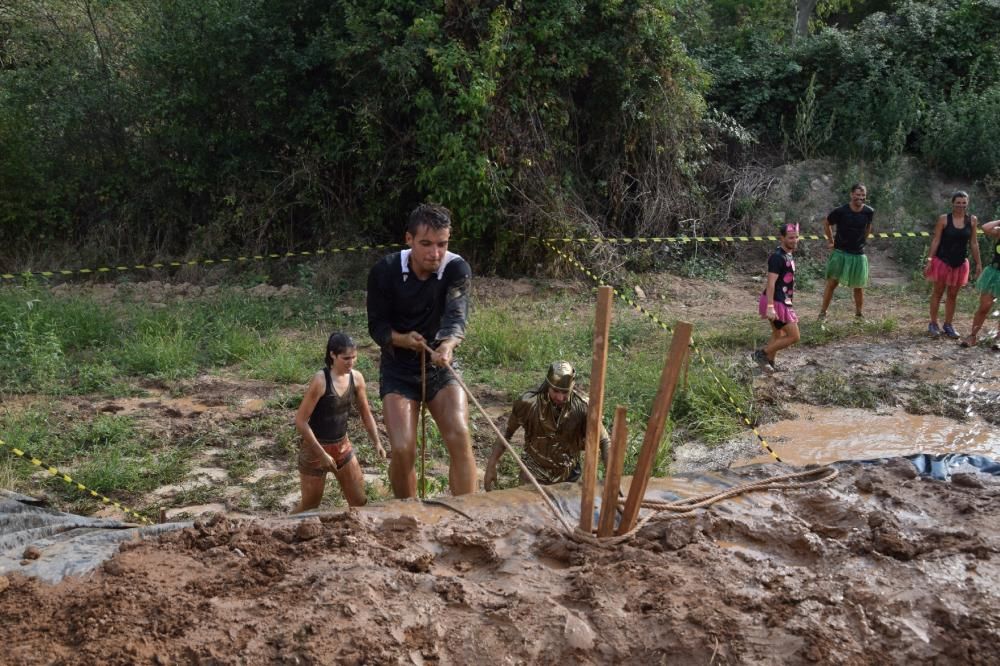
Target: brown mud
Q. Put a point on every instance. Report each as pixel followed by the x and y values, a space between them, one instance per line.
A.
pixel 878 566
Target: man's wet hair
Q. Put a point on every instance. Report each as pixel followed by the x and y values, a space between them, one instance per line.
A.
pixel 859 186
pixel 959 193
pixel 337 345
pixel 434 216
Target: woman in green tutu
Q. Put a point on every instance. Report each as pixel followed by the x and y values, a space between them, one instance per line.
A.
pixel 989 288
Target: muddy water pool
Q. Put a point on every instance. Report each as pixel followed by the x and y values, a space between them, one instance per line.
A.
pixel 823 435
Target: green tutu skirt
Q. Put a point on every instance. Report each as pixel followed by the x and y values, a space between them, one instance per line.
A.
pixel 989 281
pixel 850 270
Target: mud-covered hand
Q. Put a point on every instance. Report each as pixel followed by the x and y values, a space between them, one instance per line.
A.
pixel 412 340
pixel 443 355
pixel 328 463
pixel 771 314
pixel 380 451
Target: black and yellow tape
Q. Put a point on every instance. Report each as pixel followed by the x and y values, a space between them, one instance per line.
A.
pixel 76 484
pixel 193 262
pixel 714 239
pixel 701 357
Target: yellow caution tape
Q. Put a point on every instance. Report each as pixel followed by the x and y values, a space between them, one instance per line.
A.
pixel 194 262
pixel 665 327
pixel 76 484
pixel 715 239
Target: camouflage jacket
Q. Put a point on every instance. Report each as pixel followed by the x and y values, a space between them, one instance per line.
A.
pixel 553 436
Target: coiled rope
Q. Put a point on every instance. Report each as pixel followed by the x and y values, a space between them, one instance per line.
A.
pixel 661 510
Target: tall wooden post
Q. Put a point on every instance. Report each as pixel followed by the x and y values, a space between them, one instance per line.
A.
pixel 657 423
pixel 613 475
pixel 598 367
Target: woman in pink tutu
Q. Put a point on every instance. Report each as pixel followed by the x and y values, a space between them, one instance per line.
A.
pixel 775 303
pixel 948 263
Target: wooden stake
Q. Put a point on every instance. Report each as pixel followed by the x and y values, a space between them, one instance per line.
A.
pixel 657 423
pixel 598 366
pixel 613 474
pixel 163 515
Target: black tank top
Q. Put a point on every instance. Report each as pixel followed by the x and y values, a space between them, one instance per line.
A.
pixel 954 246
pixel 329 418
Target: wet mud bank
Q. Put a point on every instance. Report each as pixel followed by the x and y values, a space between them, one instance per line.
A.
pixel 879 565
pixel 917 375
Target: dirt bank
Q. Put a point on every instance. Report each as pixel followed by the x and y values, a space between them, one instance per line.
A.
pixel 879 566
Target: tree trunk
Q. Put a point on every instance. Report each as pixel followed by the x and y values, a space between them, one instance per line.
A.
pixel 803 11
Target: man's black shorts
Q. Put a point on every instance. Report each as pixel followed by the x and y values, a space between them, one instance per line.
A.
pixel 392 379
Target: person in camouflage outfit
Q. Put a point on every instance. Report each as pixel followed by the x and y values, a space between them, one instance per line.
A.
pixel 554 418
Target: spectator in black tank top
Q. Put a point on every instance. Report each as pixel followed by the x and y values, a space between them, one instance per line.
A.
pixel 322 421
pixel 948 266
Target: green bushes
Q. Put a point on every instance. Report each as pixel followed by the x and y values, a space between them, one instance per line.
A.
pixel 149 128
pixel 159 127
pixel 962 132
pixel 920 79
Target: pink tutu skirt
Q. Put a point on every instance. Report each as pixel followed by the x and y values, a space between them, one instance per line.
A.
pixel 940 272
pixel 785 314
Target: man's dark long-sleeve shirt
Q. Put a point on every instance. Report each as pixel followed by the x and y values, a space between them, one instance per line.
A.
pixel 436 308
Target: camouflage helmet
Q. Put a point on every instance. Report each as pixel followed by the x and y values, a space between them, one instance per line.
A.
pixel 560 376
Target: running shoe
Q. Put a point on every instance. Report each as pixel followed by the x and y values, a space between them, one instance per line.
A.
pixel 950 332
pixel 760 358
pixel 933 330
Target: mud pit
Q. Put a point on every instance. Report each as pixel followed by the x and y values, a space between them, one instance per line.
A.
pixel 878 566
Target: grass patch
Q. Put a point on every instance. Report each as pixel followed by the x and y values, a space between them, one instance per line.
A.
pixel 741 333
pixel 281 360
pixel 240 460
pixel 268 493
pixel 938 399
pixel 829 387
pixel 108 454
pixel 8 470
pixel 832 331
pixel 75 343
pixel 201 494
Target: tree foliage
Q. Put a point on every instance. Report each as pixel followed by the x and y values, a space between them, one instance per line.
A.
pixel 142 127
pixel 220 123
pixel 923 78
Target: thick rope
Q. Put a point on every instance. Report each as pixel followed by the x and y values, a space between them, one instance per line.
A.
pixel 423 424
pixel 662 510
pixel 687 507
pixel 531 477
